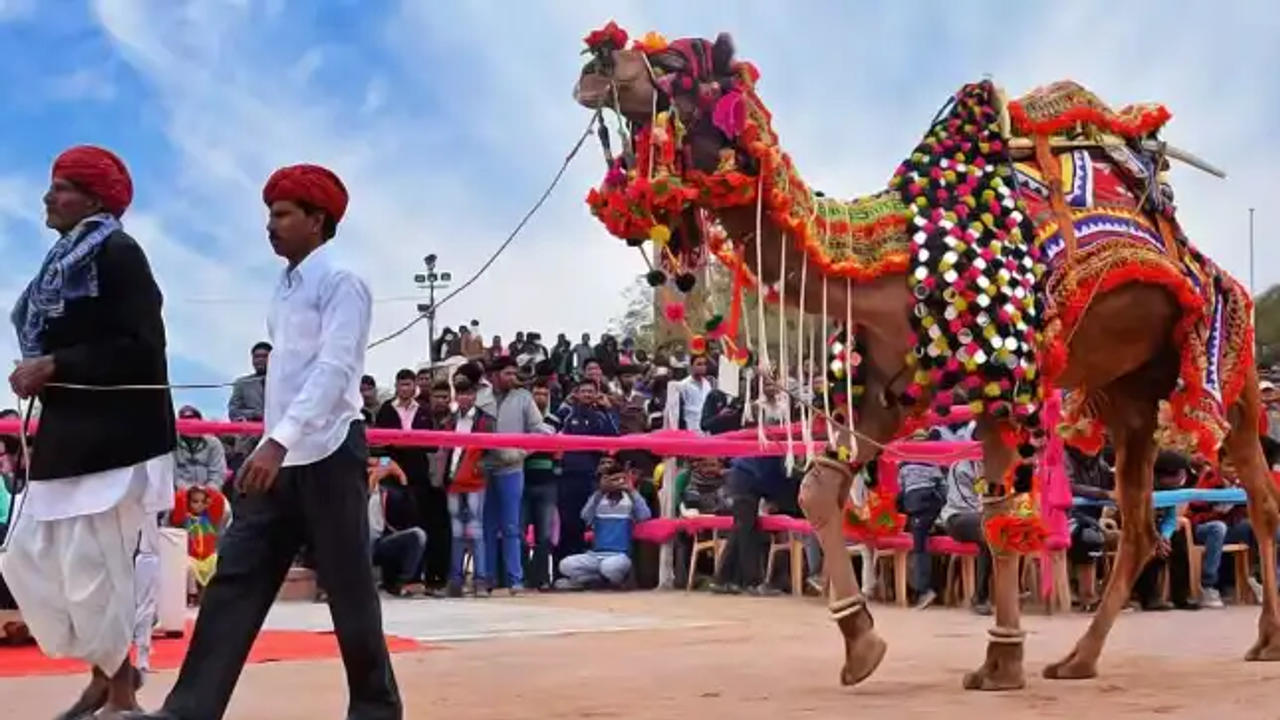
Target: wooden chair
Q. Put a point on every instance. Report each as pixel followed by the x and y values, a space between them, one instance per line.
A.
pixel 961 582
pixel 715 525
pixel 1239 552
pixel 786 536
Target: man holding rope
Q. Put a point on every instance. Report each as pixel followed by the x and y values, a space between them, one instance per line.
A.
pixel 93 347
pixel 306 482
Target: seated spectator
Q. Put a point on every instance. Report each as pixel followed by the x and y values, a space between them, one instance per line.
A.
pixel 751 480
pixel 1216 525
pixel 199 461
pixel 961 518
pixel 466 485
pixel 396 549
pixel 202 511
pixel 1172 470
pixel 701 488
pixel 585 413
pixel 922 494
pixel 1092 478
pixel 611 512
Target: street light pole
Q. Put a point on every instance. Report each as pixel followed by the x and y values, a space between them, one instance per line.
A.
pixel 1252 290
pixel 431 281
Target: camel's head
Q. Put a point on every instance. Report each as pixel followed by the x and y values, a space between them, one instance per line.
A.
pixel 652 72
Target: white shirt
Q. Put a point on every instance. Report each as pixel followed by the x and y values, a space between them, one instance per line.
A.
pixel 319 326
pixel 693 395
pixel 464 425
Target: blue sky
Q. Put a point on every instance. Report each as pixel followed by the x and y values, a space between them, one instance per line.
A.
pixel 447 119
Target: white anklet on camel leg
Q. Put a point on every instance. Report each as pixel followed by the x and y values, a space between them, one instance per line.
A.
pixel 1006 636
pixel 841 609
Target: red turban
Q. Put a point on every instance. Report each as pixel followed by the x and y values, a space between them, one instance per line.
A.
pixel 98 172
pixel 309 184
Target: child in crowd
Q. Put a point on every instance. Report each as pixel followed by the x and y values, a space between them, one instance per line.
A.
pixel 466 483
pixel 701 488
pixel 202 512
pixel 611 512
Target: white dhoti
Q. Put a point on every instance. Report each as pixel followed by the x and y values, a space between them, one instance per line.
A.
pixel 70 563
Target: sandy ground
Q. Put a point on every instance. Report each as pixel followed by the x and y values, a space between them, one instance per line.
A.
pixel 676 655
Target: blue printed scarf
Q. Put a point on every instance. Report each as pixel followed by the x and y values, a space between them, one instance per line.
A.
pixel 68 273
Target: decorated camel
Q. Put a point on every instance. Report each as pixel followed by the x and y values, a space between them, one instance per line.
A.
pixel 1023 245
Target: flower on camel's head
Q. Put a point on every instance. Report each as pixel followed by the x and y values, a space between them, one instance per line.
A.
pixel 698 345
pixel 609 37
pixel 652 42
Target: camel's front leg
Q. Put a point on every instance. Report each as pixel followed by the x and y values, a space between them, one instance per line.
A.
pixel 1135 467
pixel 822 495
pixel 1002 668
pixel 1264 515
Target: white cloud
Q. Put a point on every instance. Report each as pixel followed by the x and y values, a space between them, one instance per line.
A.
pixel 85 84
pixel 11 10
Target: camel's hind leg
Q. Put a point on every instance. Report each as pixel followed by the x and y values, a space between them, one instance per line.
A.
pixel 1132 422
pixel 1245 452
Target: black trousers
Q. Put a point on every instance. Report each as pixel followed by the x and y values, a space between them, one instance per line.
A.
pixel 922 506
pixel 324 505
pixel 1147 588
pixel 433 518
pixel 967 527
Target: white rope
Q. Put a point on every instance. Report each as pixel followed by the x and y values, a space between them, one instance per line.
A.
pixel 848 356
pixel 748 409
pixel 784 374
pixel 764 364
pixel 826 386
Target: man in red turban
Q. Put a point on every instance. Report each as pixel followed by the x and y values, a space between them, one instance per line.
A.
pixel 95 172
pixel 102 465
pixel 305 482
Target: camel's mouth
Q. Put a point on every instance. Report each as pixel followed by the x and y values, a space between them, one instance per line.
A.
pixel 593 91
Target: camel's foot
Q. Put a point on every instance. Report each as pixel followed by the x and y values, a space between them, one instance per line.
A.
pixel 1267 647
pixel 863 648
pixel 1002 669
pixel 1074 666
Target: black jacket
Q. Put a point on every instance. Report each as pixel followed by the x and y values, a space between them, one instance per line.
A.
pixel 413 460
pixel 116 338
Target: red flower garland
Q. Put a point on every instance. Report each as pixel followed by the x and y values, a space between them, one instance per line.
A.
pixel 609 36
pixel 1015 534
pixel 882 519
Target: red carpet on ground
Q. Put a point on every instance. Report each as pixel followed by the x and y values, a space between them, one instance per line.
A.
pixel 166 654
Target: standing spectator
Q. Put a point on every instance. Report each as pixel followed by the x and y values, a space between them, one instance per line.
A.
pixel 517 346
pixel 472 343
pixel 611 512
pixel 431 512
pixel 693 394
pixel 627 356
pixel 199 460
pixel 445 345
pixel 396 548
pixel 538 504
pixel 466 488
pixel 249 391
pixel 607 353
pixel 495 350
pixel 368 398
pixel 582 352
pixel 516 413
pixel 424 380
pixel 583 414
pixel 562 356
pixel 247 403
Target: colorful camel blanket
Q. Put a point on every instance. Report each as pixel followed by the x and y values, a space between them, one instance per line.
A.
pixel 1113 242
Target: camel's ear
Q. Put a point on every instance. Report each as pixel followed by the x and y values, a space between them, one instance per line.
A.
pixel 722 54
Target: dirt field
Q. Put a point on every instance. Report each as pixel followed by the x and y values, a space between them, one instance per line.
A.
pixel 746 658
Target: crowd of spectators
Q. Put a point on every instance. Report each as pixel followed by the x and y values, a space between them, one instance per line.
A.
pixel 454 522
